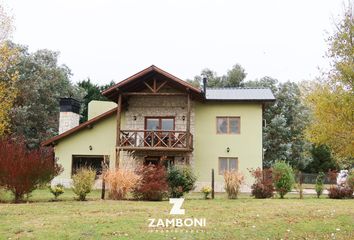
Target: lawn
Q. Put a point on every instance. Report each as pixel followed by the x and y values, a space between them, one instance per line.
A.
pixel 244 218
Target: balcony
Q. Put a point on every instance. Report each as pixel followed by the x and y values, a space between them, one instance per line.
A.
pixel 157 140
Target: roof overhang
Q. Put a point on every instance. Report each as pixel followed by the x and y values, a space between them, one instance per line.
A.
pixel 135 83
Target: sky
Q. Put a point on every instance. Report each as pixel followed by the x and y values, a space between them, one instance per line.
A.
pixel 111 39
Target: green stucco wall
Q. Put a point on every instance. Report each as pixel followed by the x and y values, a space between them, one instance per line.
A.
pixel 102 138
pixel 209 146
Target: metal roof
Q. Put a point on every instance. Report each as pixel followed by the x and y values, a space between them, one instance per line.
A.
pixel 240 94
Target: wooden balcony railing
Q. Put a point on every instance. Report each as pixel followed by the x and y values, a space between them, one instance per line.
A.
pixel 155 140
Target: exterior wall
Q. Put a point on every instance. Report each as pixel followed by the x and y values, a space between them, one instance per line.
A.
pixel 67 121
pixel 102 138
pixel 152 106
pixel 96 108
pixel 209 146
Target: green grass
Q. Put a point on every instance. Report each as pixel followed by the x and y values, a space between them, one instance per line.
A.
pixel 243 218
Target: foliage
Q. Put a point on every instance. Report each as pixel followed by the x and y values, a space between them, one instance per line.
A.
pixel 121 182
pixel 56 190
pixel 331 99
pixel 350 179
pixel 319 184
pixel 332 119
pixel 23 170
pixel 286 119
pixel 322 160
pixel 283 178
pixel 153 184
pixel 206 190
pixel 8 78
pixel 336 192
pixel 42 81
pixel 181 179
pixel 93 92
pixel 83 182
pixel 263 185
pixel 233 183
pixel 233 78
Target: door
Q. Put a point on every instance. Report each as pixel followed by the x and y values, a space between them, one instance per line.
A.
pixel 158 124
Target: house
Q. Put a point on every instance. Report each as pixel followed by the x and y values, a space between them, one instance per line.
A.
pixel 156 117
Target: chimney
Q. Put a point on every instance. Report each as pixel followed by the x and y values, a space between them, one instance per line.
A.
pixel 69 114
pixel 204 85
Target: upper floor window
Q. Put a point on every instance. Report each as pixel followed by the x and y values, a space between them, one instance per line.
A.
pixel 228 125
pixel 159 123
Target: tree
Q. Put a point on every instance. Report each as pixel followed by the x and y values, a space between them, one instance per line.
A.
pixel 322 160
pixel 23 170
pixel 8 80
pixel 93 92
pixel 286 119
pixel 42 82
pixel 233 78
pixel 8 76
pixel 332 99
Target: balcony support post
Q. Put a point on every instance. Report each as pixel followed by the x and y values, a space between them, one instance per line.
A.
pixel 188 119
pixel 118 120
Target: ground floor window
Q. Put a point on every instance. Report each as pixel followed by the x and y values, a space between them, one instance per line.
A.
pixel 94 162
pixel 227 164
pixel 155 160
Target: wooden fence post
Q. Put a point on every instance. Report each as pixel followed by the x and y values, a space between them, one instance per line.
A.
pixel 212 183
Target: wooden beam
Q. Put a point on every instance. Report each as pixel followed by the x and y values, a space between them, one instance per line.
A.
pixel 188 120
pixel 146 84
pixel 162 84
pixel 154 87
pixel 118 120
pixel 153 94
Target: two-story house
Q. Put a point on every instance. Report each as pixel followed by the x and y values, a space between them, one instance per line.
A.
pixel 156 117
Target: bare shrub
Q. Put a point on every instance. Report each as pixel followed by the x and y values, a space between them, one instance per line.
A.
pixel 233 183
pixel 120 183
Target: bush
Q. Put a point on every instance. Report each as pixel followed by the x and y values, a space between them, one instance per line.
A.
pixel 263 185
pixel 319 184
pixel 181 179
pixel 206 191
pixel 336 192
pixel 83 182
pixel 350 179
pixel 120 183
pixel 56 190
pixel 23 170
pixel 233 183
pixel 153 183
pixel 283 178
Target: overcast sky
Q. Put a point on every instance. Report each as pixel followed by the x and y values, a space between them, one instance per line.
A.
pixel 111 40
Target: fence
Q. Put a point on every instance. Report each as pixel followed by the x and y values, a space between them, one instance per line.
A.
pixel 310 178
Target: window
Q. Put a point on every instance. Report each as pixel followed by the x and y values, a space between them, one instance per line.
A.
pixel 227 164
pixel 228 125
pixel 94 162
pixel 159 123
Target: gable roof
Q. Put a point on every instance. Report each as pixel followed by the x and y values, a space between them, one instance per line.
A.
pixel 130 83
pixel 84 125
pixel 240 94
pixel 212 94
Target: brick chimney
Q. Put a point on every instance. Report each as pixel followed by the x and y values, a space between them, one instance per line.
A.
pixel 69 114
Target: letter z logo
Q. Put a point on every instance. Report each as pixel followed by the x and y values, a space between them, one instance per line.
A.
pixel 177 204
